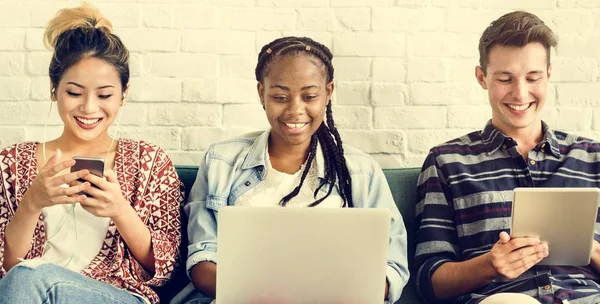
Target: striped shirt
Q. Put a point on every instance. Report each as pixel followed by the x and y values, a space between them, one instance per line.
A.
pixel 464 198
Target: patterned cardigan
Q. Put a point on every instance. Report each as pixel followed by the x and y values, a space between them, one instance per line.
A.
pixel 148 181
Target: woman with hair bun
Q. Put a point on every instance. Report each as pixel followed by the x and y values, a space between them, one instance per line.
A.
pixel 70 236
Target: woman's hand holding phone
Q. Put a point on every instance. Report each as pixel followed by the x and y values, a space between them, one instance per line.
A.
pixel 47 190
pixel 106 199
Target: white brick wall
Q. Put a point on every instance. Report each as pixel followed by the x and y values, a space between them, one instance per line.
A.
pixel 404 68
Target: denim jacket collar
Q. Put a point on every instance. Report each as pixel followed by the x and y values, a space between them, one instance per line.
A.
pixel 257 152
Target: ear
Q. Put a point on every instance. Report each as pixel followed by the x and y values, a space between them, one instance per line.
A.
pixel 260 89
pixel 329 88
pixel 480 75
pixel 125 93
pixel 52 91
pixel 549 70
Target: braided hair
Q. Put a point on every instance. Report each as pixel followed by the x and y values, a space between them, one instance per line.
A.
pixel 326 135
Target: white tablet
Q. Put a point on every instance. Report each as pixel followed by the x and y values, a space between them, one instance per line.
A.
pixel 565 218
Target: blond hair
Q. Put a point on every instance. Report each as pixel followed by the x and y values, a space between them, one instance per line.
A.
pixel 85 16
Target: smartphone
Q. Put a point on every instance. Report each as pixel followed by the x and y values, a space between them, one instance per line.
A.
pixel 93 164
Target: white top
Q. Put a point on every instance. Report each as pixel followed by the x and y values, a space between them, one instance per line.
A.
pixel 80 237
pixel 276 185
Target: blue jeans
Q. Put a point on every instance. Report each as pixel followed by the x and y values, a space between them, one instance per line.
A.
pixel 51 283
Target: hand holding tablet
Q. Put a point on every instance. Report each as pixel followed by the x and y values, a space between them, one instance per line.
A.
pixel 512 257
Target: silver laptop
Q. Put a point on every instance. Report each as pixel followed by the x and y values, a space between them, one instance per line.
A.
pixel 565 218
pixel 302 255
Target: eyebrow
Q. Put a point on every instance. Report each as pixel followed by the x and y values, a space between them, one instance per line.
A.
pixel 98 88
pixel 509 73
pixel 287 89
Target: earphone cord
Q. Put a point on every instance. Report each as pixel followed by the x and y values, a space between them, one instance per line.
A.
pixel 44 132
pixel 120 114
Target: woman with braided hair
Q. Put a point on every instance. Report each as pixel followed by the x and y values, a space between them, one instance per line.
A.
pixel 300 161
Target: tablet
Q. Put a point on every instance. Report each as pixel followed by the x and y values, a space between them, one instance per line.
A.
pixel 564 218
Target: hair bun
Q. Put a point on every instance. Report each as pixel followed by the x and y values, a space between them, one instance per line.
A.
pixel 84 16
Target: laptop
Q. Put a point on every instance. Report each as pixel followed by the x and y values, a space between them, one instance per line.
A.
pixel 565 218
pixel 302 255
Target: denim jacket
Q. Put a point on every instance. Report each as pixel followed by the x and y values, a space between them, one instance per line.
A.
pixel 232 167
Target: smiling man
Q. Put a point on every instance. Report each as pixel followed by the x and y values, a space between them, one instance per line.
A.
pixel 464 253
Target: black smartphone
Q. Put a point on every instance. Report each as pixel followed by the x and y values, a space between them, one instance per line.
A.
pixel 93 164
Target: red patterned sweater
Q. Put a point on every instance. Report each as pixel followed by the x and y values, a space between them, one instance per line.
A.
pixel 148 181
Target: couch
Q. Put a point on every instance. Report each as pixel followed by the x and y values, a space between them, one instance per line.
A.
pixel 403 185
